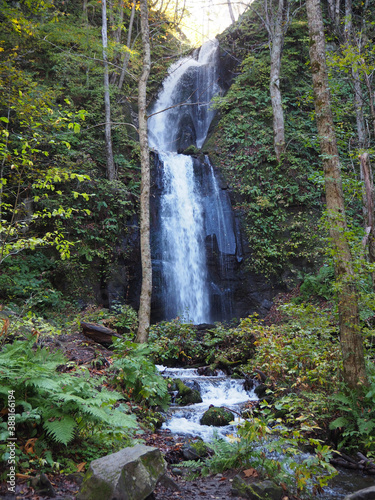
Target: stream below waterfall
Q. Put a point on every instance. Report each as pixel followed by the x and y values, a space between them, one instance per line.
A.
pixel 221 390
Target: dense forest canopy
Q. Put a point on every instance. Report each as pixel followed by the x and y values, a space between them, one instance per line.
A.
pixel 284 143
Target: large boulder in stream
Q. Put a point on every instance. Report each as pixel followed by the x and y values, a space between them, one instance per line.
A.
pixel 129 474
pixel 217 417
pixel 365 494
pixel 187 395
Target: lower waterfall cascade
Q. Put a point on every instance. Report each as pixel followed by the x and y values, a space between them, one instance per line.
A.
pixel 219 390
pixel 222 391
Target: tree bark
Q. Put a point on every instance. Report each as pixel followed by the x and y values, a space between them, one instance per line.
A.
pixel 233 19
pixel 369 205
pixel 350 335
pixel 145 300
pixel 277 41
pixel 127 55
pixel 111 170
pixel 358 95
pixel 84 10
pixel 118 21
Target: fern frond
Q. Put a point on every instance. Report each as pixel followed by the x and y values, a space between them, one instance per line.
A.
pixel 61 429
pixel 43 383
pixel 339 422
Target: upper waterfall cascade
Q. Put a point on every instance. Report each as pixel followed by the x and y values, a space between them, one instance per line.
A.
pixel 192 207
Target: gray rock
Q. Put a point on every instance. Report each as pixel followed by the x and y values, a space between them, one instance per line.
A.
pixel 43 486
pixel 169 483
pixel 366 494
pixel 129 474
pixel 256 491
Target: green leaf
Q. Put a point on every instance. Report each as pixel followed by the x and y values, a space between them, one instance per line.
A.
pixel 339 422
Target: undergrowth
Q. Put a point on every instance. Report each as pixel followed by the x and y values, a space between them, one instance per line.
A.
pixel 55 408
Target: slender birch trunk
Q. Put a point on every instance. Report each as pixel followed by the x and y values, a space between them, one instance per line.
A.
pixel 350 335
pixel 232 18
pixel 127 55
pixel 277 107
pixel 369 208
pixel 145 300
pixel 111 170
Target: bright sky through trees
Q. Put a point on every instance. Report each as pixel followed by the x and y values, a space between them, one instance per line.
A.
pixel 204 19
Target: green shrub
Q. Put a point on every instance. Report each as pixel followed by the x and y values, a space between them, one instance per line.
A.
pixel 57 405
pixel 137 375
pixel 356 424
pixel 174 343
pixel 273 450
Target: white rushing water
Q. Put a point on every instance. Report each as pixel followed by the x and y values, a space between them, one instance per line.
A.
pixel 183 240
pixel 173 99
pixel 184 266
pixel 217 391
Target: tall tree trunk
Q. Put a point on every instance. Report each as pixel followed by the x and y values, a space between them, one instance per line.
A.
pixel 358 95
pixel 84 10
pixel 145 300
pixel 233 19
pixel 277 108
pixel 111 170
pixel 117 38
pixel 369 208
pixel 128 41
pixel 350 335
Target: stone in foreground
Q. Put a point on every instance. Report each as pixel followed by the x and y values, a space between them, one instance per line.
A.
pixel 366 494
pixel 256 491
pixel 129 474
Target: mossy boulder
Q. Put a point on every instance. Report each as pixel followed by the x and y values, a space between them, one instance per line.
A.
pixel 217 417
pixel 265 490
pixel 194 449
pixel 186 395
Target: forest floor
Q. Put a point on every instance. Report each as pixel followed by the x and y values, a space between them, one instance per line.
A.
pixel 175 487
pixel 83 351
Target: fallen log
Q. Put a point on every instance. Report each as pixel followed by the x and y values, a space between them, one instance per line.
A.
pixel 99 333
pixel 343 463
pixel 365 461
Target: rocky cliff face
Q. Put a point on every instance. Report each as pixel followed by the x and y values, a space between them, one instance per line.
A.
pixel 234 290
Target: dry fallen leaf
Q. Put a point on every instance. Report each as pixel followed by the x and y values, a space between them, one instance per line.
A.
pixel 250 473
pixel 29 446
pixel 81 466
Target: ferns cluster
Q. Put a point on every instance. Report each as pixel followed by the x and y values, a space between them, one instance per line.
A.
pixel 62 405
pixel 137 374
pixel 357 420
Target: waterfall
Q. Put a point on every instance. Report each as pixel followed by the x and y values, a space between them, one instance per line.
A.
pixel 180 118
pixel 184 259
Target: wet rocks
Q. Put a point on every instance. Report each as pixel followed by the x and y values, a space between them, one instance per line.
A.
pixel 217 417
pixel 366 494
pixel 186 395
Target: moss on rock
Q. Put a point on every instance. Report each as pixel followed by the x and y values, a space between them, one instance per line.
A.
pixel 217 416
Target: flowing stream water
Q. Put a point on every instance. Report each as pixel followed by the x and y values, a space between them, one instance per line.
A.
pixel 219 390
